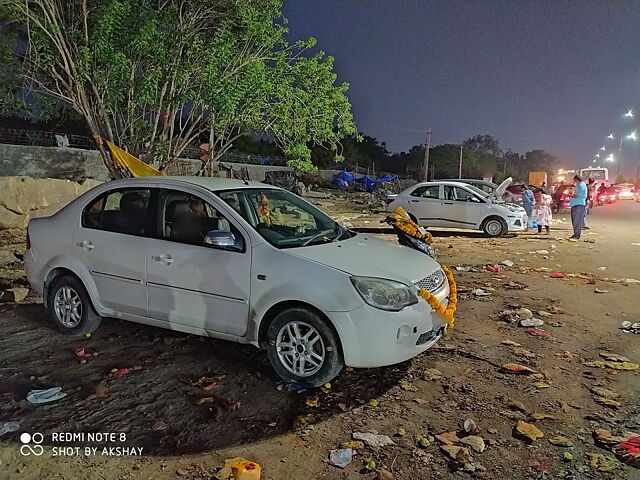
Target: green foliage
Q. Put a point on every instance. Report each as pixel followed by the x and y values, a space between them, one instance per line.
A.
pixel 158 77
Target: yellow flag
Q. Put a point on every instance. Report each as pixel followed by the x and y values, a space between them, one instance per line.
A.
pixel 137 167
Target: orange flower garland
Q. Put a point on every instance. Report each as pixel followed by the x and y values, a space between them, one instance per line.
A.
pixel 408 226
pixel 265 211
pixel 451 307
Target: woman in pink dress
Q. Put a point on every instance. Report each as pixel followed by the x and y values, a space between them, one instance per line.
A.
pixel 543 217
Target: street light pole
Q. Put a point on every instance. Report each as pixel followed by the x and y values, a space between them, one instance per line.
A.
pixel 426 156
pixel 460 166
pixel 620 154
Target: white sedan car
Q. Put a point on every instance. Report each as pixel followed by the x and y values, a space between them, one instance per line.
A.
pixel 447 203
pixel 245 262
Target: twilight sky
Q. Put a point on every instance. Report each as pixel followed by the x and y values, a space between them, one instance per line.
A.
pixel 552 74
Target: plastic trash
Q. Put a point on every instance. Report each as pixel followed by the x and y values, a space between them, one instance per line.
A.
pixel 46 396
pixel 557 275
pixel 8 427
pixel 508 263
pixel 341 458
pixel 531 322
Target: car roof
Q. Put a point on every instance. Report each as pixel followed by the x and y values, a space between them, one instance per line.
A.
pixel 474 180
pixel 442 182
pixel 210 183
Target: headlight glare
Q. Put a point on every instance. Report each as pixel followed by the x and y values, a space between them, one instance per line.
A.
pixel 384 294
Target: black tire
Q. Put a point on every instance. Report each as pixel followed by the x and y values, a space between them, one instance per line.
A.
pixel 494 227
pixel 86 321
pixel 333 360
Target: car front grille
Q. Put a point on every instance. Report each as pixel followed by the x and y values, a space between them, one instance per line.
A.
pixel 433 282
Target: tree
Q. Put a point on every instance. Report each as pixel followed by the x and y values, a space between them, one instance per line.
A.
pixel 483 146
pixel 156 77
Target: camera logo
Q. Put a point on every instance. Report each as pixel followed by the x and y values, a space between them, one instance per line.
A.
pixel 27 449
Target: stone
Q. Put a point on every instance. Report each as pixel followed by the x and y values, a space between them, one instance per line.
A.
pixel 475 442
pixel 16 294
pixel 459 454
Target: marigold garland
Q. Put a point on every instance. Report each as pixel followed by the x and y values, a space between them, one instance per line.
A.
pixel 408 226
pixel 451 307
pixel 265 211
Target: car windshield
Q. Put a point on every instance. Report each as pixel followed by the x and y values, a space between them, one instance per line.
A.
pixel 282 218
pixel 477 191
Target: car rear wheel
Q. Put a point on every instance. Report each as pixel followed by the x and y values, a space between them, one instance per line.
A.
pixel 303 348
pixel 494 227
pixel 71 308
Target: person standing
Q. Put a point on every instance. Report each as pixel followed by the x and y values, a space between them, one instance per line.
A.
pixel 577 204
pixel 528 201
pixel 544 215
pixel 587 205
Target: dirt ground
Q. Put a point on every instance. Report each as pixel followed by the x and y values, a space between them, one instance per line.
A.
pixel 187 431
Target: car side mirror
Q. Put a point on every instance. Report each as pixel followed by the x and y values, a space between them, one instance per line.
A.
pixel 220 238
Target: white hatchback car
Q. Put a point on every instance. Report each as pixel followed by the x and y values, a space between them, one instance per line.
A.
pixel 240 261
pixel 447 203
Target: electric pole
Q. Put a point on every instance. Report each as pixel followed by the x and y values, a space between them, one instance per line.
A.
pixel 460 166
pixel 426 156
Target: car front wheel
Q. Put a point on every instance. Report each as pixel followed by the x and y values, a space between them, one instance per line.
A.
pixel 495 227
pixel 303 348
pixel 71 308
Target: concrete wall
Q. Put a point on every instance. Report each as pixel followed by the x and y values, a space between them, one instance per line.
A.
pixel 51 162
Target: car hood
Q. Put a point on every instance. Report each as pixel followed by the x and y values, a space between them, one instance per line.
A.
pixel 502 188
pixel 365 256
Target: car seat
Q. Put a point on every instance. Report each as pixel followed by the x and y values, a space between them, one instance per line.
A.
pixel 132 215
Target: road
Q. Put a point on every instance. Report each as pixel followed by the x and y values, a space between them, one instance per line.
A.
pixel 187 431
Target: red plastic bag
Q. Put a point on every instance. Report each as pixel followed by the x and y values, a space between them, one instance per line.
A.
pixel 538 333
pixel 557 275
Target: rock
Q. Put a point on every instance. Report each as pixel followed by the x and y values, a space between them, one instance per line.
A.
pixel 459 454
pixel 560 441
pixel 432 374
pixel 511 343
pixel 557 310
pixel 7 258
pixel 528 430
pixel 524 313
pixel 608 402
pixel 384 475
pixel 524 352
pixel 603 392
pixel 372 439
pixel 599 462
pixel 542 252
pixel 16 294
pixel 542 313
pixel 475 442
pixel 614 357
pixel 517 406
pixel 448 438
pixel 478 292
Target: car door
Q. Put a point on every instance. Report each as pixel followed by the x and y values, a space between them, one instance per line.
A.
pixel 190 281
pixel 424 203
pixel 461 208
pixel 110 242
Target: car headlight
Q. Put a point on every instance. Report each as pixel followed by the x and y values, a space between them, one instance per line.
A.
pixel 384 294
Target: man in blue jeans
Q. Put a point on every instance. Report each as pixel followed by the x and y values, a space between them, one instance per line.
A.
pixel 578 205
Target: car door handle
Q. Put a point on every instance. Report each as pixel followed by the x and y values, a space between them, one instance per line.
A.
pixel 447 203
pixel 164 258
pixel 414 201
pixel 86 244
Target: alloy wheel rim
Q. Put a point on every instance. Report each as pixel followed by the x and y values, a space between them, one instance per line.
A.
pixel 300 349
pixel 68 307
pixel 493 227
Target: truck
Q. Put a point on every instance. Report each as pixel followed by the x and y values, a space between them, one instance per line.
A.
pixel 538 178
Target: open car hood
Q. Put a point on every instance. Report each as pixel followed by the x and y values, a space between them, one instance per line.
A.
pixel 499 192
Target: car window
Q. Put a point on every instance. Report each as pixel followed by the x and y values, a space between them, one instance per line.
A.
pixel 121 211
pixel 432 191
pixel 284 219
pixel 459 194
pixel 187 218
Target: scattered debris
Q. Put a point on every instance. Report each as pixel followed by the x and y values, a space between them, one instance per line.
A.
pixel 478 292
pixel 239 469
pixel 448 438
pixel 341 458
pixel 567 457
pixel 517 368
pixel 603 392
pixel 45 396
pixel 538 333
pixel 557 275
pixel 599 462
pixel 8 427
pixel 560 441
pixel 470 427
pixel 543 313
pixel 608 402
pixel 613 365
pixel 353 444
pixel 118 372
pixel 508 263
pixel 372 439
pixel 421 401
pixel 16 294
pixel 528 430
pixel 597 290
pixel 432 374
pixel 459 454
pixel 531 322
pixel 524 313
pixel 475 442
pixel 614 357
pixel 511 343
